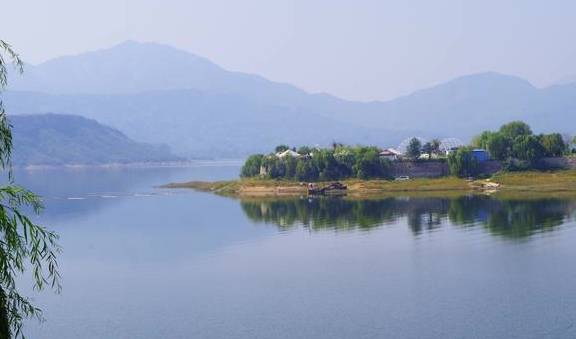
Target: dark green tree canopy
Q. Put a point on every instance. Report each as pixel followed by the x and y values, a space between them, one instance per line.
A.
pixel 514 129
pixel 322 164
pixel 553 144
pixel 462 163
pixel 252 165
pixel 414 148
pixel 527 148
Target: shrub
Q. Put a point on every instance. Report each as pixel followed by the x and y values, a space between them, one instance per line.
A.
pixel 462 163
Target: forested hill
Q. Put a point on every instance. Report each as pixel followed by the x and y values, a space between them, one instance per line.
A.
pixel 58 139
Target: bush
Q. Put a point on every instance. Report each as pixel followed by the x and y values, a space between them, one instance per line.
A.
pixel 252 166
pixel 463 164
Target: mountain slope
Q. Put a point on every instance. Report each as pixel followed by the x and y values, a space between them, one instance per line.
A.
pixel 158 94
pixel 202 124
pixel 56 139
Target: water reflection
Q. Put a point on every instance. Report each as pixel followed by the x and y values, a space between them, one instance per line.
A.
pixel 514 219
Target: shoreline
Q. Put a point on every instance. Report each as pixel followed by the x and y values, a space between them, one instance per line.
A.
pixel 502 184
pixel 165 164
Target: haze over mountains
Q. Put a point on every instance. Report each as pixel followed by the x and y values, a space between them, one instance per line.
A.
pixel 158 94
pixel 57 139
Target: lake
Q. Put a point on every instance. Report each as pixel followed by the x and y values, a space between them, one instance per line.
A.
pixel 144 262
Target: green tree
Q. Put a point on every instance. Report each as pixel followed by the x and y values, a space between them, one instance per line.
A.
pixel 462 163
pixel 24 244
pixel 326 164
pixel 414 148
pixel 553 144
pixel 370 165
pixel 527 148
pixel 499 146
pixel 481 141
pixel 252 166
pixel 436 146
pixel 514 129
pixel 305 170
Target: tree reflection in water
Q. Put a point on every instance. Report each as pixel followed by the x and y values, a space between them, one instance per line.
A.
pixel 514 219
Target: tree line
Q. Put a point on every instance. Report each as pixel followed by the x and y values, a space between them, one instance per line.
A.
pixel 313 164
pixel 513 144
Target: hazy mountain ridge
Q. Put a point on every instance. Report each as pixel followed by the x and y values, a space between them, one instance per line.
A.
pixel 202 124
pixel 159 94
pixel 57 139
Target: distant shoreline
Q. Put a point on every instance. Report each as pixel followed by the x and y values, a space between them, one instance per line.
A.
pixel 167 164
pixel 514 183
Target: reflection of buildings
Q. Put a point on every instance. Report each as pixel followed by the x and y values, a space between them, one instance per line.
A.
pixel 508 218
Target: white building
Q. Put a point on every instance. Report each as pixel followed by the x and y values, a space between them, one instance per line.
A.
pixel 288 153
pixel 390 154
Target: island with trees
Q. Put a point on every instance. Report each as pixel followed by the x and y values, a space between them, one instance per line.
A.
pixel 511 158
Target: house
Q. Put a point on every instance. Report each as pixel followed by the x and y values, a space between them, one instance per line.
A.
pixel 480 155
pixel 390 154
pixel 288 153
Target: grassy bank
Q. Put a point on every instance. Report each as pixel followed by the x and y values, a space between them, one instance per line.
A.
pixel 505 184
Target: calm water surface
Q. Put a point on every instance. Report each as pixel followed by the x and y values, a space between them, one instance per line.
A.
pixel 142 262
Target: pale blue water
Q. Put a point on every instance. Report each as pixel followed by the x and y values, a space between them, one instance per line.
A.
pixel 141 262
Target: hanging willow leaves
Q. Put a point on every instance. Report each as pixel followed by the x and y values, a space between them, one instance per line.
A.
pixel 24 245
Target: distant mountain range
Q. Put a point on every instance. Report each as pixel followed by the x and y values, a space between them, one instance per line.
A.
pixel 158 94
pixel 56 139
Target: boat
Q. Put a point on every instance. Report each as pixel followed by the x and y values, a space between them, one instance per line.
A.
pixel 335 188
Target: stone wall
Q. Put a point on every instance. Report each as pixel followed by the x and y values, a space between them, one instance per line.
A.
pixel 420 169
pixel 433 169
pixel 560 162
pixel 490 167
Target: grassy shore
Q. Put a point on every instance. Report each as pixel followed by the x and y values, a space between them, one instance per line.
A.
pixel 505 184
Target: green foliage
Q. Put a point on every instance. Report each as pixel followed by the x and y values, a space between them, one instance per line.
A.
pixel 252 165
pixel 306 171
pixel 462 163
pixel 553 144
pixel 24 245
pixel 527 148
pixel 499 146
pixel 514 129
pixel 414 148
pixel 517 148
pixel 370 165
pixel 321 164
pixel 481 141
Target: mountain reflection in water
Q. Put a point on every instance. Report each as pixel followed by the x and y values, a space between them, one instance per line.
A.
pixel 509 218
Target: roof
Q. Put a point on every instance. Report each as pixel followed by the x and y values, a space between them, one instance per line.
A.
pixel 288 152
pixel 389 152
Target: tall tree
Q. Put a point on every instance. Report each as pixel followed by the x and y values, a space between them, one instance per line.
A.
pixel 553 144
pixel 436 146
pixel 23 243
pixel 514 129
pixel 414 148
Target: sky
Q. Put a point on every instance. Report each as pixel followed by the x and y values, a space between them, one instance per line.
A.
pixel 354 49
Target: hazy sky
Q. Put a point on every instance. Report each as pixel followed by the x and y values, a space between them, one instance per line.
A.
pixel 357 49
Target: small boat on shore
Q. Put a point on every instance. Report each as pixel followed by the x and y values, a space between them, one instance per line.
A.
pixel 335 188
